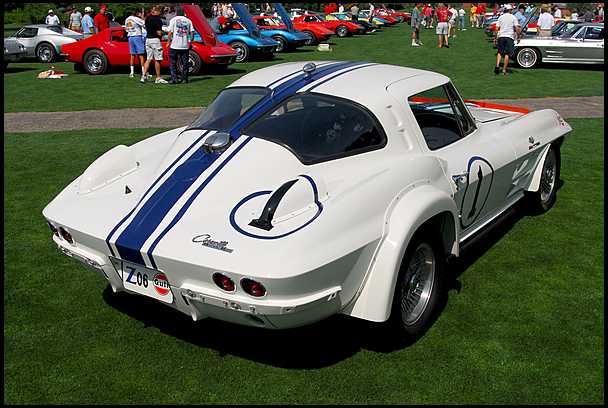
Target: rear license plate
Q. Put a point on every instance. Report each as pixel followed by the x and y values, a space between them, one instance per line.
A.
pixel 146 281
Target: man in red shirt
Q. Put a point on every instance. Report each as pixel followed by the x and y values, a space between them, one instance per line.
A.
pixel 443 16
pixel 101 21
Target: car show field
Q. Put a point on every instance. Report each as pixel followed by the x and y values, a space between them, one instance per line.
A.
pixel 522 322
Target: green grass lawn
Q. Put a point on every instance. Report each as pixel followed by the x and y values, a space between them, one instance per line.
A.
pixel 525 327
pixel 469 63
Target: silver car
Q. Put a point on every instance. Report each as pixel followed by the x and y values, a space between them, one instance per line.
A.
pixel 44 41
pixel 13 51
pixel 583 44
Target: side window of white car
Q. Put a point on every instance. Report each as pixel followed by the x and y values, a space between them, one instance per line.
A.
pixel 441 115
pixel 27 33
pixel 594 33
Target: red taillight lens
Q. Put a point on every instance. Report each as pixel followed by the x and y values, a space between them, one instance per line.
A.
pixel 253 288
pixel 53 228
pixel 223 282
pixel 66 235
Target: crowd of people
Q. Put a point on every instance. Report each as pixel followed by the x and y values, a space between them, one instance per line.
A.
pixel 445 17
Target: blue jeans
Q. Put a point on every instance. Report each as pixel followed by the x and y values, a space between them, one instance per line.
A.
pixel 182 55
pixel 461 21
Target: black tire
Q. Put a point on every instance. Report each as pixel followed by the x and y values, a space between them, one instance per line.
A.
pixel 527 57
pixel 45 52
pixel 411 318
pixel 283 45
pixel 342 31
pixel 541 201
pixel 242 51
pixel 313 40
pixel 195 63
pixel 95 62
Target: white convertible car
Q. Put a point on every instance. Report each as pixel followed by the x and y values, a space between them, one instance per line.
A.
pixel 296 195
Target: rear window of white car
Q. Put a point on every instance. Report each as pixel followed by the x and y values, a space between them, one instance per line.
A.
pixel 228 107
pixel 319 128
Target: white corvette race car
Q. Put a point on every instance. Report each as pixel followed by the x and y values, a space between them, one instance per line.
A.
pixel 296 195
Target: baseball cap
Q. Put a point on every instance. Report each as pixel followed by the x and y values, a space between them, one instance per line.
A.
pixel 50 11
pixel 88 9
pixel 103 7
pixel 508 7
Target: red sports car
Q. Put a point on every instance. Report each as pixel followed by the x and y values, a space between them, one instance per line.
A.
pixel 317 31
pixel 340 27
pixel 109 47
pixel 402 15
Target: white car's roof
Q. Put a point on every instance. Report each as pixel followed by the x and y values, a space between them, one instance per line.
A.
pixel 360 84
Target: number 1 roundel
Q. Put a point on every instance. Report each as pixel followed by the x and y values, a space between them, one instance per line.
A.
pixel 479 183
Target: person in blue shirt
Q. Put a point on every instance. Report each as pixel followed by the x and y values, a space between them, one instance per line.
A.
pixel 88 27
pixel 520 15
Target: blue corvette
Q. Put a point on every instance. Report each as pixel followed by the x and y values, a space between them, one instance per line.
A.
pixel 285 33
pixel 244 35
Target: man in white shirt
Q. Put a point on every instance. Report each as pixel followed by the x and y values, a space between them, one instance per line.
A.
pixel 341 8
pixel 75 20
pixel 181 33
pixel 452 21
pixel 135 27
pixel 557 13
pixel 461 15
pixel 51 18
pixel 508 30
pixel 545 23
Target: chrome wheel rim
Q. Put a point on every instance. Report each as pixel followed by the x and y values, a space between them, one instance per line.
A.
pixel 418 284
pixel 240 53
pixel 44 53
pixel 190 64
pixel 342 31
pixel 281 44
pixel 311 40
pixel 547 178
pixel 94 63
pixel 526 58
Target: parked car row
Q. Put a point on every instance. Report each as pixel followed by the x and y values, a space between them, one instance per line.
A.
pixel 242 39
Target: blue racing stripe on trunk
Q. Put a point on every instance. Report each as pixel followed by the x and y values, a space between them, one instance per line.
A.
pixel 151 214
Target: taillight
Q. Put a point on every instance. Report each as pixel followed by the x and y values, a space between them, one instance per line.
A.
pixel 53 229
pixel 223 282
pixel 66 235
pixel 253 288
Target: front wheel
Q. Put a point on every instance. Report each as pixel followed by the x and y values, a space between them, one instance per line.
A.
pixel 342 31
pixel 45 52
pixel 543 199
pixel 420 286
pixel 242 51
pixel 527 57
pixel 95 62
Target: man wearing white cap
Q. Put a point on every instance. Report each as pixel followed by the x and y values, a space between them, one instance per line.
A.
pixel 508 30
pixel 51 18
pixel 88 25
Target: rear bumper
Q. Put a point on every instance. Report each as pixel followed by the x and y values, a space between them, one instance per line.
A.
pixel 199 301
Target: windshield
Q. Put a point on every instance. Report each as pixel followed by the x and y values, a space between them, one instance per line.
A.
pixel 333 128
pixel 227 108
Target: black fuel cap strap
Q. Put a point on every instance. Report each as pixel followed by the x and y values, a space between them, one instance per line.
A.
pixel 265 220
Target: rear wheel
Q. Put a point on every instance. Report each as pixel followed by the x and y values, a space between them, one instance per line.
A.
pixel 527 57
pixel 282 43
pixel 194 63
pixel 342 31
pixel 45 52
pixel 312 40
pixel 95 62
pixel 420 287
pixel 542 200
pixel 242 51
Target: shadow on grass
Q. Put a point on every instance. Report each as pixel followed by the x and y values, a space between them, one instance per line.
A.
pixel 318 345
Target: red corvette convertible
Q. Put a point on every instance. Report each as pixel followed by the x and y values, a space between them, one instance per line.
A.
pixel 109 47
pixel 317 31
pixel 342 28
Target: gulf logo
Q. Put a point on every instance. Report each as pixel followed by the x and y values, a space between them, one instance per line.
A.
pixel 161 284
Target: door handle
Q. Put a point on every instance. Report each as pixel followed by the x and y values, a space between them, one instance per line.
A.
pixel 460 179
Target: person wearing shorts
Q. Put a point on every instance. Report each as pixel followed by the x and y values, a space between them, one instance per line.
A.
pixel 508 28
pixel 135 28
pixel 154 48
pixel 442 25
